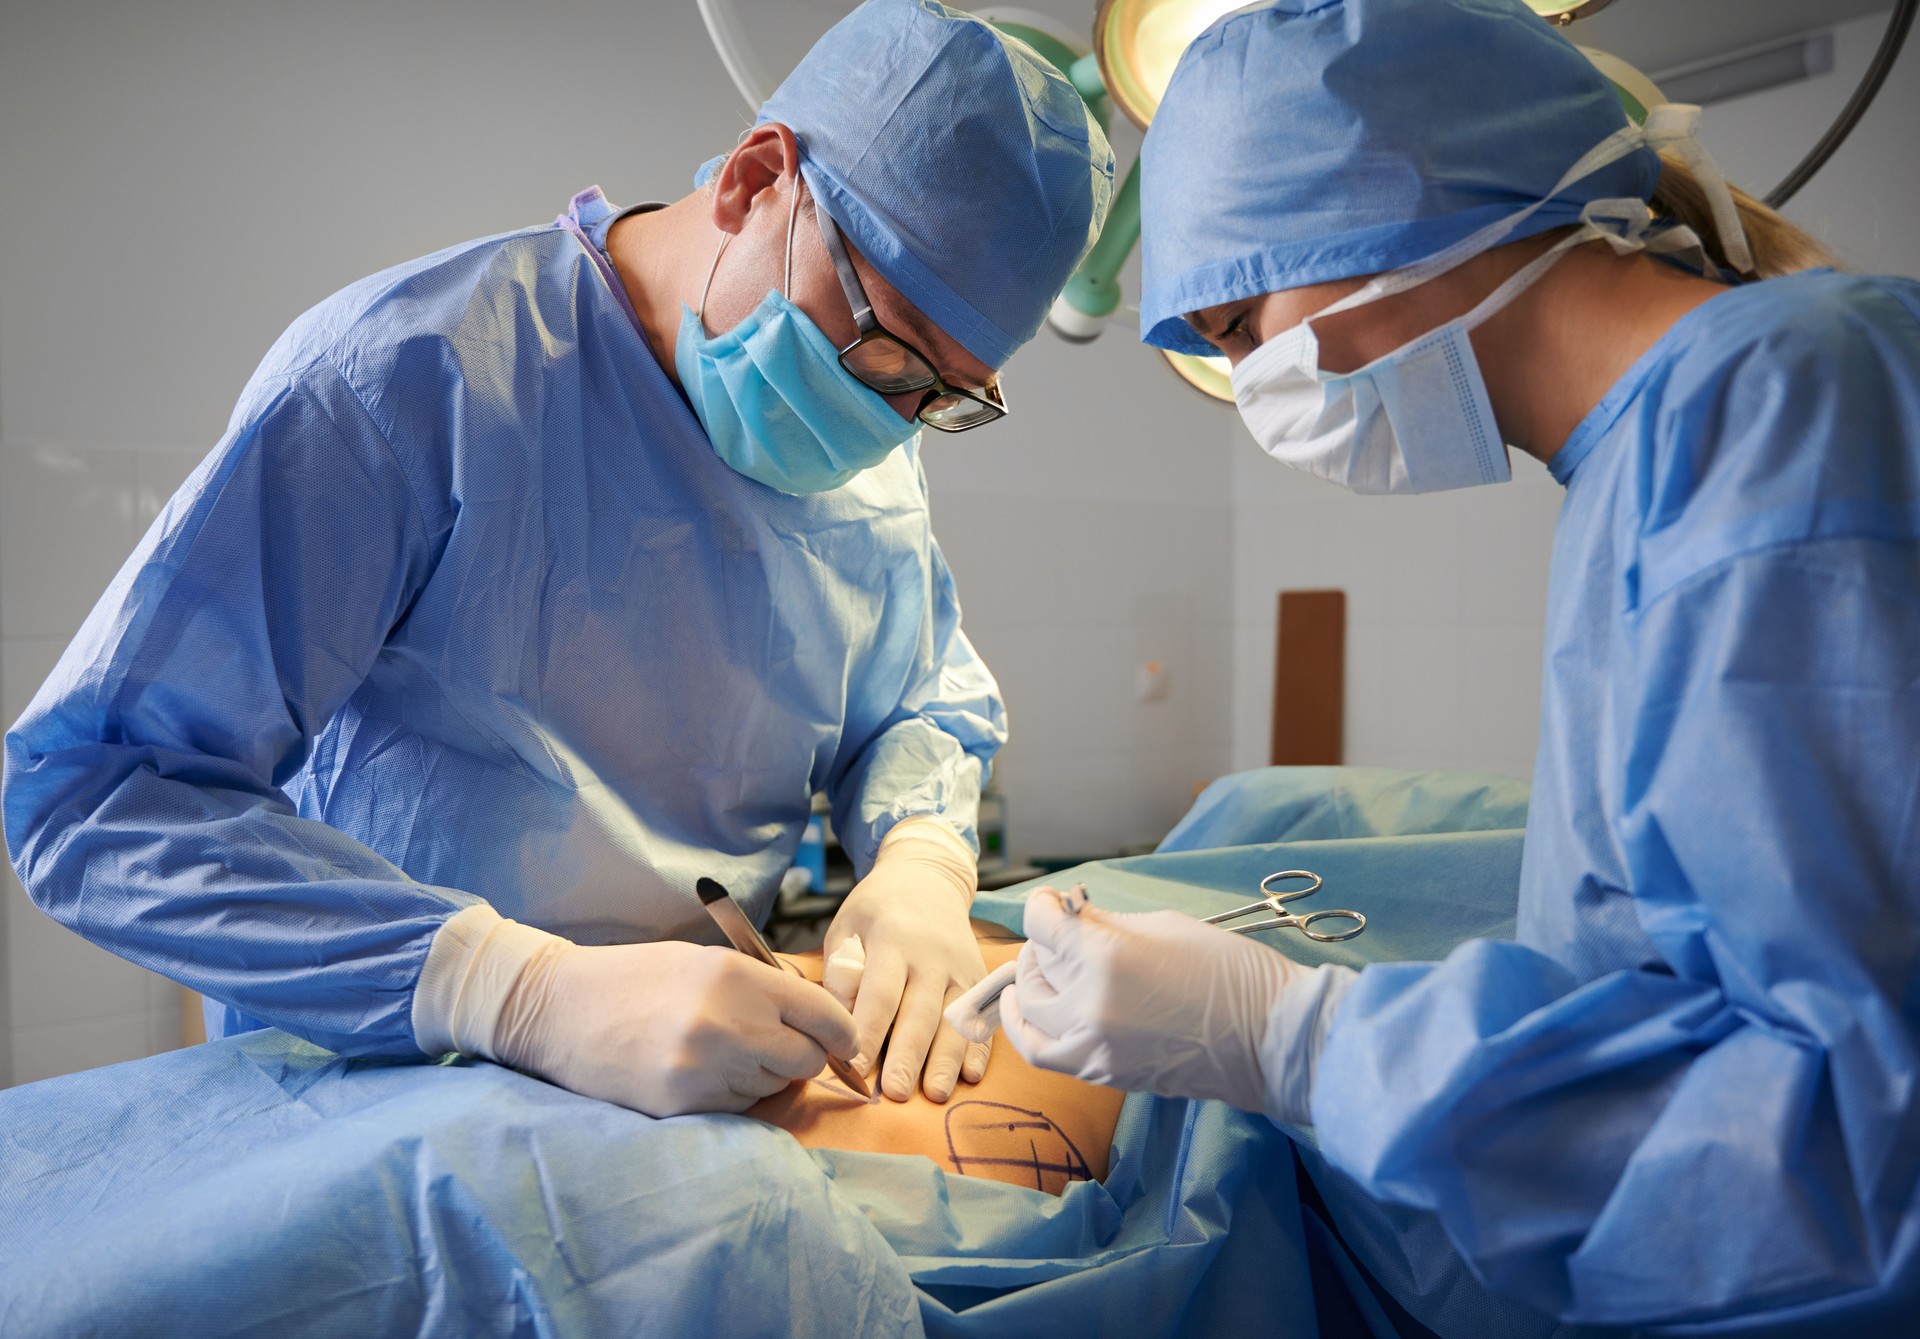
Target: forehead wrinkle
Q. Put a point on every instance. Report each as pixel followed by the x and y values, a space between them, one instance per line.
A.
pixel 930 338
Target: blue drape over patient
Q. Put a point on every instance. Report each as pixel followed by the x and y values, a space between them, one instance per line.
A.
pixel 350 1196
pixel 465 606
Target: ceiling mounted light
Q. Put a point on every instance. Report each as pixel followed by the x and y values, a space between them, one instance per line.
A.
pixel 1212 377
pixel 1138 42
pixel 1562 12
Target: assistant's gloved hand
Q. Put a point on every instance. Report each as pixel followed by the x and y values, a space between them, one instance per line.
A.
pixel 911 911
pixel 1160 1002
pixel 663 1029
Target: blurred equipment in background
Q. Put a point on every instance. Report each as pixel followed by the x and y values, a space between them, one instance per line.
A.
pixel 1562 12
pixel 1899 24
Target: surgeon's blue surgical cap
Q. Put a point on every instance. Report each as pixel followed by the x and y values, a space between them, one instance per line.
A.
pixel 964 167
pixel 1302 141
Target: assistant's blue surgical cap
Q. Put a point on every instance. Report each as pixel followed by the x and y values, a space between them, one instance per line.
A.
pixel 964 166
pixel 1303 141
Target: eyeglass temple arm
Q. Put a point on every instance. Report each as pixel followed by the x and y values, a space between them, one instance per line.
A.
pixel 843 266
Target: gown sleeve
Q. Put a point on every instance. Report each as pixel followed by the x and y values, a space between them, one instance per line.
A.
pixel 144 798
pixel 1731 1131
pixel 932 754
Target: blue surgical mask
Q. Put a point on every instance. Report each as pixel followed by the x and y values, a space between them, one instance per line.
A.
pixel 775 402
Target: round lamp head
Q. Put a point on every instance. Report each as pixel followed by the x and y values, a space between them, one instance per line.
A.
pixel 1562 12
pixel 1138 42
pixel 1212 377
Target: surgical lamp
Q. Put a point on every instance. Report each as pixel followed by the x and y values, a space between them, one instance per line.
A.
pixel 1562 12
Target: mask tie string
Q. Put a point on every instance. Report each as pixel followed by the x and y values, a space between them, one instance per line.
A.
pixel 1670 126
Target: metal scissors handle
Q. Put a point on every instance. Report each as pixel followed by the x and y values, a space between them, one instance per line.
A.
pixel 1275 902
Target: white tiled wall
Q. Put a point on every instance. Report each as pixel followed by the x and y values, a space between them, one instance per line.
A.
pixel 1092 767
pixel 1091 533
pixel 1445 597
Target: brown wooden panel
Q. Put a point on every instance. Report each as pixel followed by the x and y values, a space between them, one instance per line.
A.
pixel 193 1023
pixel 1309 679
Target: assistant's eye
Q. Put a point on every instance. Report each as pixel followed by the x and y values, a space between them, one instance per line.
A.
pixel 1236 329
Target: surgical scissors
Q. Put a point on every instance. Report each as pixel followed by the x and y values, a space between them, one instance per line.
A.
pixel 1273 901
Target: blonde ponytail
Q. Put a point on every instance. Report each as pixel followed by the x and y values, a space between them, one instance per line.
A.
pixel 1779 247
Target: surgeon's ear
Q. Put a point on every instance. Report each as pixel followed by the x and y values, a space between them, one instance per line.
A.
pixel 756 176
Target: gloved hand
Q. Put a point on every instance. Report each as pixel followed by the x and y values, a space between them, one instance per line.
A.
pixel 1161 1002
pixel 911 912
pixel 663 1029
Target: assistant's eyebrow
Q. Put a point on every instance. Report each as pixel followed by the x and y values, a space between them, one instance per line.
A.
pixel 1201 321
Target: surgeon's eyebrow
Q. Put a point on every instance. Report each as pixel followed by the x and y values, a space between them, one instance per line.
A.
pixel 927 335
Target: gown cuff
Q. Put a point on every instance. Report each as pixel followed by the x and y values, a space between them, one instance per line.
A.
pixel 472 965
pixel 931 843
pixel 1297 1027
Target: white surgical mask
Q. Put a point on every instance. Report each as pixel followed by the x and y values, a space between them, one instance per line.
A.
pixel 1418 420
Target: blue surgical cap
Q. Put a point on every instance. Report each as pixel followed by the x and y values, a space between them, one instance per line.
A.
pixel 963 165
pixel 1302 141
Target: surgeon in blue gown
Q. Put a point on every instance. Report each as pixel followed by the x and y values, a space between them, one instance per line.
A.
pixel 541 576
pixel 1689 1095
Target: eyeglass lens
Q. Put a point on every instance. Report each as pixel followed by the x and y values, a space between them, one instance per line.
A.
pixel 954 412
pixel 888 366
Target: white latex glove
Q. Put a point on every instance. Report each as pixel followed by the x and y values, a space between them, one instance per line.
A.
pixel 911 912
pixel 1161 1002
pixel 663 1029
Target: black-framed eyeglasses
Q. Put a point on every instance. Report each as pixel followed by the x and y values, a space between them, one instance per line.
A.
pixel 882 361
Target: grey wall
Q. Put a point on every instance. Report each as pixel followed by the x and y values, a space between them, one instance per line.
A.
pixel 1446 594
pixel 183 178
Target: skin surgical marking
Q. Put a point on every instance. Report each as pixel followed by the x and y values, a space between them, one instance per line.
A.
pixel 994 1134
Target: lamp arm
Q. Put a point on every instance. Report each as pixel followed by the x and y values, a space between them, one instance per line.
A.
pixel 735 52
pixel 1094 289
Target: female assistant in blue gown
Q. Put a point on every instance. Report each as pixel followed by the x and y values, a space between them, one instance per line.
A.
pixel 1690 1093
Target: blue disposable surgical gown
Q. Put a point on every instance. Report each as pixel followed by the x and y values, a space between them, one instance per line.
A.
pixel 464 606
pixel 1691 1091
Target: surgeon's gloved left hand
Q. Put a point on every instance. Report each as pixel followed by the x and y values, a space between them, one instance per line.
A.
pixel 1161 1002
pixel 912 914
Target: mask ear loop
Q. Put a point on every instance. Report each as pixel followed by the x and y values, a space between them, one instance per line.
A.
pixel 700 315
pixel 793 212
